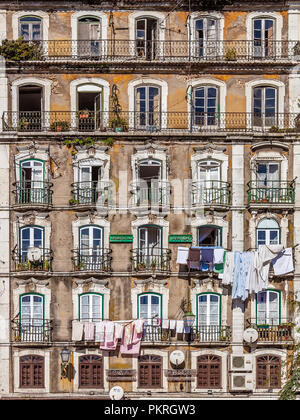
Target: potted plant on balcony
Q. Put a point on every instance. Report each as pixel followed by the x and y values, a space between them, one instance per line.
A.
pixel 164 336
pixel 230 54
pixel 153 265
pixel 79 266
pixel 119 124
pixel 141 266
pixel 83 113
pixel 60 126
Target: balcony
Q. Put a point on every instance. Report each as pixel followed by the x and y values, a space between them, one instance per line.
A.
pixel 32 331
pixel 273 332
pixel 273 194
pixel 92 260
pixel 39 261
pixel 91 193
pixel 33 193
pixel 156 261
pixel 181 51
pixel 149 123
pixel 144 197
pixel 154 332
pixel 210 193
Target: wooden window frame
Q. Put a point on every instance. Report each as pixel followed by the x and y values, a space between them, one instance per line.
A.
pixel 94 362
pixel 268 367
pixel 209 360
pixel 150 362
pixel 30 365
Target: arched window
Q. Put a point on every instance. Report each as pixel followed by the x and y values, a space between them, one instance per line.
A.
pixel 147 107
pixel 268 372
pixel 209 370
pixel 208 309
pixel 268 308
pixel 209 236
pixel 267 232
pixel 264 37
pixel 206 35
pixel 30 28
pixel 150 250
pixel 90 248
pixel 32 371
pixel 89 36
pixel 150 371
pixel 32 188
pixel 146 37
pixel 205 105
pixel 90 307
pixel 30 237
pixel 265 106
pixel 150 307
pixel 91 371
pixel 89 106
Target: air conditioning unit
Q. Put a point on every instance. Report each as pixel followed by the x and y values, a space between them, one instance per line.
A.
pixel 241 382
pixel 241 363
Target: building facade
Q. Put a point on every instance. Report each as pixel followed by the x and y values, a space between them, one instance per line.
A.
pixel 129 130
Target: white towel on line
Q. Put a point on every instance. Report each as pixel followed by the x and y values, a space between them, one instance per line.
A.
pixel 218 255
pixel 179 326
pixel 172 324
pixel 284 264
pixel 182 255
pixel 77 330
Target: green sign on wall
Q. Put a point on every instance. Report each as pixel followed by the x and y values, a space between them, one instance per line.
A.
pixel 121 238
pixel 180 239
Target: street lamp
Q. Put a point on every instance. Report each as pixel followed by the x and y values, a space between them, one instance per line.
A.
pixel 65 357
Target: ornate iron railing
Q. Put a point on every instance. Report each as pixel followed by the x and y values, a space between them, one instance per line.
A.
pixel 171 51
pixel 22 262
pixel 32 330
pixel 92 192
pixel 155 259
pixel 150 122
pixel 90 259
pixel 155 194
pixel 33 192
pixel 274 192
pixel 272 330
pixel 210 192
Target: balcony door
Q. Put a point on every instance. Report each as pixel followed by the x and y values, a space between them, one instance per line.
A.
pixel 209 175
pixel 89 36
pixel 90 248
pixel 150 246
pixel 89 106
pixel 149 306
pixel 90 307
pixel 205 106
pixel 149 177
pixel 30 28
pixel 146 38
pixel 89 184
pixel 31 238
pixel 268 175
pixel 209 316
pixel 31 317
pixel 206 37
pixel 264 106
pixel 268 308
pixel 147 108
pixel 32 188
pixel 30 106
pixel 263 37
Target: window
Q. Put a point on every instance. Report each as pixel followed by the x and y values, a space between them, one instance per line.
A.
pixel 149 189
pixel 209 309
pixel 264 106
pixel 150 371
pixel 91 247
pixel 206 34
pixel 30 28
pixel 268 308
pixel 267 174
pixel 149 308
pixel 89 106
pixel 263 37
pixel 209 371
pixel 89 34
pixel 146 38
pixel 147 107
pixel 89 184
pixel 150 246
pixel 90 305
pixel 209 236
pixel 91 372
pixel 209 171
pixel 32 317
pixel 31 371
pixel 32 188
pixel 267 232
pixel 30 237
pixel 268 372
pixel 205 106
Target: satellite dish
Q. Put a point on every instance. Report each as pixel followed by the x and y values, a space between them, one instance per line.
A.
pixel 177 357
pixel 116 393
pixel 34 254
pixel 250 335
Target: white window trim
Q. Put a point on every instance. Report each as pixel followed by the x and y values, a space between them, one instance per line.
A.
pixel 74 28
pixel 267 291
pixel 155 288
pixel 16 363
pixel 40 153
pixel 202 220
pixel 224 357
pixel 249 86
pixel 38 288
pixel 84 220
pixel 222 88
pixel 163 98
pixel 94 288
pixel 83 158
pixel 41 221
pixel 282 309
pixel 220 34
pixel 164 355
pixel 159 221
pixel 267 156
pixel 279 353
pixel 97 352
pixel 256 218
pixel 277 17
pixel 214 155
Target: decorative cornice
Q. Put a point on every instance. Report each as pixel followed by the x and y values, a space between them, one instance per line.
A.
pixel 269 145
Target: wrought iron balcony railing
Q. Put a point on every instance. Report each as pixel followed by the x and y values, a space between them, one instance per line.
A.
pixel 32 330
pixel 42 261
pixel 274 192
pixel 118 50
pixel 155 259
pixel 150 122
pixel 92 192
pixel 272 330
pixel 33 192
pixel 92 259
pixel 210 192
pixel 154 195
